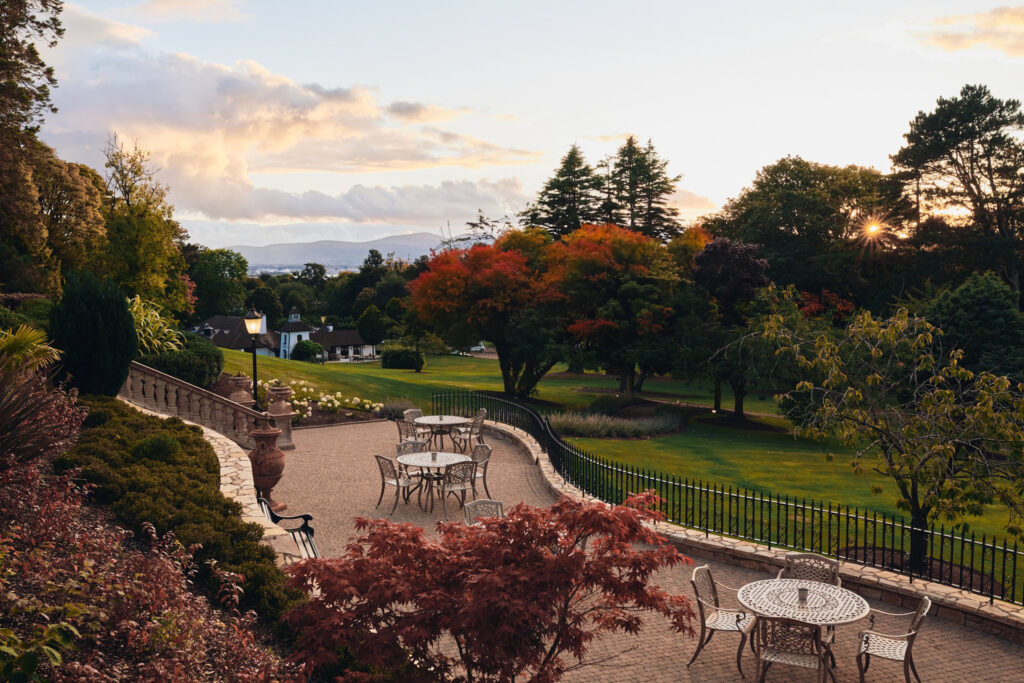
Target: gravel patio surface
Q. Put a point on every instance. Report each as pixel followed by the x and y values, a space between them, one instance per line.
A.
pixel 333 475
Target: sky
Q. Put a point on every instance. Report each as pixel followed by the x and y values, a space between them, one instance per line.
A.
pixel 291 122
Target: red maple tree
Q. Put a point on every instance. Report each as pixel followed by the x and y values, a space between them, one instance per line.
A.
pixel 515 598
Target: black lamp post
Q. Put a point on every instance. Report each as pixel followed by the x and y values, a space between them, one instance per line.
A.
pixel 253 322
pixel 323 338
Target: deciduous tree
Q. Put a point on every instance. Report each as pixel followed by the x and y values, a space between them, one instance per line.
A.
pixel 219 275
pixel 951 440
pixel 520 596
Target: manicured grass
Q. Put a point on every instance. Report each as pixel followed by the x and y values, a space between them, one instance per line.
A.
pixel 766 461
pixel 464 373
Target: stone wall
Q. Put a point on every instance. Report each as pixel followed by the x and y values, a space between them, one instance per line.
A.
pixel 999 618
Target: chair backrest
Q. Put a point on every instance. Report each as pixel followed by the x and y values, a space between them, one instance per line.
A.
pixel 481 453
pixel 406 430
pixel 387 468
pixel 459 473
pixel 787 636
pixel 704 586
pixel 811 567
pixel 406 447
pixel 477 509
pixel 410 414
pixel 478 421
pixel 920 613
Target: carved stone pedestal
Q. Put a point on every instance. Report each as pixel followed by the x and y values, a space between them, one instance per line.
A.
pixel 242 393
pixel 281 410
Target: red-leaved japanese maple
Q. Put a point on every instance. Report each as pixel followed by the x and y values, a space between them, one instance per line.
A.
pixel 516 598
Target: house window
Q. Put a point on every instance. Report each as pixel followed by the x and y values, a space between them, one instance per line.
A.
pixel 298 338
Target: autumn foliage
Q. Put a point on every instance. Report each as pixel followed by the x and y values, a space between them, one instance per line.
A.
pixel 519 597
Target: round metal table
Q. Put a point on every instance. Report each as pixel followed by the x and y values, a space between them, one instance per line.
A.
pixel 826 605
pixel 441 425
pixel 426 460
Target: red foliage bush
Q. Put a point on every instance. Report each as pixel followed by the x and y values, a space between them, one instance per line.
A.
pixel 131 610
pixel 511 598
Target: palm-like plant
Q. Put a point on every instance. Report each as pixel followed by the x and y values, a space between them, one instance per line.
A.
pixel 27 348
pixel 156 334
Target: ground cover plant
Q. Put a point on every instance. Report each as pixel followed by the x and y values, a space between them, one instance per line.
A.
pixel 552 579
pixel 596 425
pixel 164 473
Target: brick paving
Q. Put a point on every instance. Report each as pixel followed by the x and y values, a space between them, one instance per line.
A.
pixel 332 474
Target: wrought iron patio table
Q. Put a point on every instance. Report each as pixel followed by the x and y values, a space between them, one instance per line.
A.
pixel 441 425
pixel 432 460
pixel 826 605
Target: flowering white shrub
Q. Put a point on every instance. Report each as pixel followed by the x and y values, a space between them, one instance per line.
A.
pixel 305 394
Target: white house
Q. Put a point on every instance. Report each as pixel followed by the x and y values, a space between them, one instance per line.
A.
pixel 292 332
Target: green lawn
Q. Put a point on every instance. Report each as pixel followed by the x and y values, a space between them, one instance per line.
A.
pixel 454 373
pixel 766 461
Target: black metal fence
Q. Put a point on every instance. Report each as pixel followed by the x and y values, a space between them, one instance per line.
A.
pixel 985 566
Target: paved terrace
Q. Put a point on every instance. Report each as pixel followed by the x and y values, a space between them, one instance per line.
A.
pixel 332 474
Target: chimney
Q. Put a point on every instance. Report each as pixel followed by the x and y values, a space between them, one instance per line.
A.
pixel 330 327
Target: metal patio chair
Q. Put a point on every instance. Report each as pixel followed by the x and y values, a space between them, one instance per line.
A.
pixel 899 648
pixel 481 455
pixel 392 474
pixel 482 508
pixel 458 479
pixel 811 567
pixel 793 643
pixel 714 617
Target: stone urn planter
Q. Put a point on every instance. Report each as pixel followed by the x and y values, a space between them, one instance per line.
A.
pixel 267 461
pixel 280 410
pixel 242 393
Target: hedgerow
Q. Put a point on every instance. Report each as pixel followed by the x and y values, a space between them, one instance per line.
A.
pixel 165 473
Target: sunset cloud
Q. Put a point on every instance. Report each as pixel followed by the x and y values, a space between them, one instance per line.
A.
pixel 212 11
pixel 685 199
pixel 210 127
pixel 1000 29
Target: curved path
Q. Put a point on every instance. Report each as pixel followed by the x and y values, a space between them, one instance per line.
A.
pixel 332 474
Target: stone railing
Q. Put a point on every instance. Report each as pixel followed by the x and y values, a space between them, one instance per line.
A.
pixel 169 395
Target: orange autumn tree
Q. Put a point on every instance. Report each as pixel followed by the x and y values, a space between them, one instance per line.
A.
pixel 617 286
pixel 499 293
pixel 515 598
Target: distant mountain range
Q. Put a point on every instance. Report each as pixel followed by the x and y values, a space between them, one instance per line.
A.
pixel 335 255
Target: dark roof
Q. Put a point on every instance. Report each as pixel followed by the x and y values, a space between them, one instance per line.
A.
pixel 229 333
pixel 295 326
pixel 338 338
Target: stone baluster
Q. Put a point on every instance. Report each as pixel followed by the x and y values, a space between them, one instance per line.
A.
pixel 145 385
pixel 160 395
pixel 133 385
pixel 281 411
pixel 172 399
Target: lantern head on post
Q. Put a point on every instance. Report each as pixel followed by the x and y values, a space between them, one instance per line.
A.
pixel 253 323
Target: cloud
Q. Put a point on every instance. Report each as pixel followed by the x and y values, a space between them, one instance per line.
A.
pixel 685 199
pixel 85 29
pixel 1000 29
pixel 417 112
pixel 207 11
pixel 209 127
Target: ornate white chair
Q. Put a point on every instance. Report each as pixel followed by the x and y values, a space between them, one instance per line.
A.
pixel 458 480
pixel 714 617
pixel 793 643
pixel 464 436
pixel 393 475
pixel 899 648
pixel 811 567
pixel 478 509
pixel 481 455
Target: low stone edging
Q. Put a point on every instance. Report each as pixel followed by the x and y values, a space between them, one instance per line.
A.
pixel 1002 619
pixel 236 483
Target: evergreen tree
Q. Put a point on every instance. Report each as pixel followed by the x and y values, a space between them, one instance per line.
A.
pixel 657 218
pixel 94 328
pixel 568 199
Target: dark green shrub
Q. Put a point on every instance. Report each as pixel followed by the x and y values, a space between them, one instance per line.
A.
pixel 307 350
pixel 10 319
pixel 164 472
pixel 94 328
pixel 402 359
pixel 394 408
pixel 199 363
pixel 37 311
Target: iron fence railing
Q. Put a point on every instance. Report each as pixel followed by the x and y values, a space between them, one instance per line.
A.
pixel 986 565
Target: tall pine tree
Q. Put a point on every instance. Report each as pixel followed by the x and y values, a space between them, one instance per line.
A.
pixel 568 199
pixel 641 186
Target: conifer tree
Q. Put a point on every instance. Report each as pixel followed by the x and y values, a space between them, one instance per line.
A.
pixel 568 199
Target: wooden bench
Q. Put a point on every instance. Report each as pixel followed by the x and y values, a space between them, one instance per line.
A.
pixel 302 534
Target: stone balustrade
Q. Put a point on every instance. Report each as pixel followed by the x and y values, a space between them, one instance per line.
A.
pixel 169 395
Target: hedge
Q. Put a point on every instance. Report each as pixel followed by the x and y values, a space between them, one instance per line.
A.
pixel 199 363
pixel 164 472
pixel 402 359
